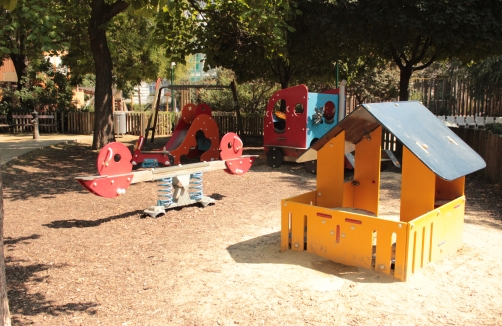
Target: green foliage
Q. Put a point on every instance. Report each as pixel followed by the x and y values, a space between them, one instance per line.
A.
pixel 8 102
pixel 416 33
pixel 29 30
pixel 33 23
pixel 486 76
pixel 8 4
pixel 496 128
pixel 252 96
pixel 373 78
pixel 174 32
pixel 130 47
pixel 263 39
pixel 285 43
pixel 44 89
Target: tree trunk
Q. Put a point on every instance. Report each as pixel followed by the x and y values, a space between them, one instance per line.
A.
pixel 4 303
pixel 404 82
pixel 407 63
pixel 240 127
pixel 103 118
pixel 101 14
pixel 20 60
pixel 282 71
pixel 21 65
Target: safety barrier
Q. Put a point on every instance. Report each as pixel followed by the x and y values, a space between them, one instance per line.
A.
pixel 352 237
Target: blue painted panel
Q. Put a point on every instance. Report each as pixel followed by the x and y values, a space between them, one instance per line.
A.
pixel 318 100
pixel 428 138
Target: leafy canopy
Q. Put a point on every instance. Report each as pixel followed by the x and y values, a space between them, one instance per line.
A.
pixel 31 28
pixel 415 33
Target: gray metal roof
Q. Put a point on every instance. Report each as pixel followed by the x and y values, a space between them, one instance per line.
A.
pixel 439 148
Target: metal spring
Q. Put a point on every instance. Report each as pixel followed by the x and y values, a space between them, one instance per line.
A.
pixel 195 187
pixel 165 192
pixel 150 163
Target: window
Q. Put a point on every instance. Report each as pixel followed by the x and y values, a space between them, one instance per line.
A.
pixel 151 89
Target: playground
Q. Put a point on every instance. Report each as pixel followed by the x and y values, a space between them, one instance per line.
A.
pixel 78 259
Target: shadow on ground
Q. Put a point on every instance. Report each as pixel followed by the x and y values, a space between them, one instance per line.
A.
pixel 265 250
pixel 19 275
pixel 72 223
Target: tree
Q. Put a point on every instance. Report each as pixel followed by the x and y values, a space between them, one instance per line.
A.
pixel 416 33
pixel 87 24
pixel 185 15
pixel 133 55
pixel 307 49
pixel 255 41
pixel 252 96
pixel 370 79
pixel 27 31
pixel 486 76
pixel 43 88
pixel 101 14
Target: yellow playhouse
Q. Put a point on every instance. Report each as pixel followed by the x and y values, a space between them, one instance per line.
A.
pixel 340 221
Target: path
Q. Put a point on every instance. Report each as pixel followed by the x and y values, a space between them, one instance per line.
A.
pixel 14 145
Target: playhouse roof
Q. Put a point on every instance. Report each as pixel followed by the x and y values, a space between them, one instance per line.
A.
pixel 439 148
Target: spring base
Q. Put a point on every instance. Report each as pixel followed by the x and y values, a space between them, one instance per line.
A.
pixel 186 190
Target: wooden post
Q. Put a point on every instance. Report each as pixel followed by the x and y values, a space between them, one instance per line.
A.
pixel 34 121
pixel 142 123
pixel 4 303
pixel 139 97
pixel 240 130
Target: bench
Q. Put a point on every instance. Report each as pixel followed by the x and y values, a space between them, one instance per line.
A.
pixel 3 122
pixel 48 123
pixel 23 123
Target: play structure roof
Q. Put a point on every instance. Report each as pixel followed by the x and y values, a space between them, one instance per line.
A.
pixel 439 148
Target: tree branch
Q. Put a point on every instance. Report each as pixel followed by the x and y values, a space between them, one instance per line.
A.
pixel 195 4
pixel 426 64
pixel 114 9
pixel 279 71
pixel 402 56
pixel 395 56
pixel 415 49
pixel 427 43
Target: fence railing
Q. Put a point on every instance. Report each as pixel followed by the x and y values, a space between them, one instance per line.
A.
pixel 489 146
pixel 451 96
pixel 136 123
pixel 486 144
pixel 22 123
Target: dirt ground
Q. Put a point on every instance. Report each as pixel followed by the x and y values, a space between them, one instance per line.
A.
pixel 77 259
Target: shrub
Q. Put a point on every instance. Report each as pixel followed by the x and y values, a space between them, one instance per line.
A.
pixel 496 128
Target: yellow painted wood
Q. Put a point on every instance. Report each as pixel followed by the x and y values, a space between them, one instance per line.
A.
pixel 383 249
pixel 284 226
pixel 417 189
pixel 308 198
pixel 449 189
pixel 345 237
pixel 423 235
pixel 330 176
pixel 348 238
pixel 448 229
pixel 435 235
pixel 367 172
pixel 297 230
pixel 348 194
pixel 400 255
